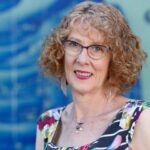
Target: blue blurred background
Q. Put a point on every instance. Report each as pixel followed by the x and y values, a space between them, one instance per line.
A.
pixel 24 92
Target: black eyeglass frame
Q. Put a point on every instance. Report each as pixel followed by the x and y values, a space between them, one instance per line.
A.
pixel 107 48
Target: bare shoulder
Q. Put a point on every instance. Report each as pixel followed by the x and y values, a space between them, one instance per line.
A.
pixel 144 117
pixel 143 121
pixel 142 130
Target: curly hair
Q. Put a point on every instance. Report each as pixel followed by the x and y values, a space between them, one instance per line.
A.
pixel 127 56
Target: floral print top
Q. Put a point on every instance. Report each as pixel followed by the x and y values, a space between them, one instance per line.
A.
pixel 117 136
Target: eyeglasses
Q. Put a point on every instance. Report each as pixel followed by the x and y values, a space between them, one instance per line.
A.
pixel 94 51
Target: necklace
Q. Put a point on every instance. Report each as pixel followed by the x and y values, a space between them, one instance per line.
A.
pixel 79 127
pixel 80 124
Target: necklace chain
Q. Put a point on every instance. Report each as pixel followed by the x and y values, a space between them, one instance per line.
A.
pixel 80 124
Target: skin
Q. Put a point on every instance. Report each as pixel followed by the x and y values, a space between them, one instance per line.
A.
pixel 89 92
pixel 141 137
pixel 98 68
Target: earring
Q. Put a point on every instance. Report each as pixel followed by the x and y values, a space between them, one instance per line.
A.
pixel 63 85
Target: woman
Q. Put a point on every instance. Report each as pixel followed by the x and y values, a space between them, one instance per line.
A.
pixel 95 52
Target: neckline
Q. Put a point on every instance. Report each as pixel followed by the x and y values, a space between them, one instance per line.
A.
pixel 120 111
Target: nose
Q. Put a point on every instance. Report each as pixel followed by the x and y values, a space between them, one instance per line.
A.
pixel 83 57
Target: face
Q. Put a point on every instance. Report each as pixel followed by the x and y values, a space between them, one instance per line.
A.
pixel 83 73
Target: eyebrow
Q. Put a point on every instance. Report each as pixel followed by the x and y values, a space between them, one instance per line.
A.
pixel 80 42
pixel 76 40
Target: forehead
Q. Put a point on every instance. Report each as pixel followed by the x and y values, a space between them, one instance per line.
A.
pixel 86 30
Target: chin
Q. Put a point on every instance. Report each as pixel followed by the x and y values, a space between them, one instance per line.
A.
pixel 82 89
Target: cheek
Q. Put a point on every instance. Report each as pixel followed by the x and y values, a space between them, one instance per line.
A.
pixel 67 62
pixel 101 70
pixel 68 65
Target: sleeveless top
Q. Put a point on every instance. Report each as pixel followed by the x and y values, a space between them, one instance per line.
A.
pixel 117 136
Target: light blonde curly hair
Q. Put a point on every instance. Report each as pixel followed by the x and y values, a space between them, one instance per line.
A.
pixel 127 56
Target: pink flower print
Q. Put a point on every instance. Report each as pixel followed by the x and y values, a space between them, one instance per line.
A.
pixel 85 147
pixel 129 147
pixel 47 120
pixel 116 143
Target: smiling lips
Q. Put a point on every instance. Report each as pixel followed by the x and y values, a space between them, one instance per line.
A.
pixel 82 75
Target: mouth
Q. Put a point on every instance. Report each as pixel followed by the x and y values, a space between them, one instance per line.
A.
pixel 80 74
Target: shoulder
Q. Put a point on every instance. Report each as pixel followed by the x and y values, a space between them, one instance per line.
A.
pixel 143 121
pixel 132 111
pixel 49 117
pixel 142 129
pixel 144 118
pixel 47 123
pixel 135 119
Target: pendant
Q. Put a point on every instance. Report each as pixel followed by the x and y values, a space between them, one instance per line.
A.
pixel 79 127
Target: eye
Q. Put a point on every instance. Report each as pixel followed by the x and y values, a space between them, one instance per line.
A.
pixel 97 48
pixel 72 43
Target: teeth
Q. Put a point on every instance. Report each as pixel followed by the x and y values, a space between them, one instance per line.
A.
pixel 83 74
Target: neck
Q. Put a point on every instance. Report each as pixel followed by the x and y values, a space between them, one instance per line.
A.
pixel 89 104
